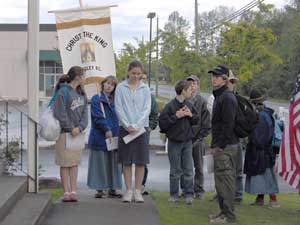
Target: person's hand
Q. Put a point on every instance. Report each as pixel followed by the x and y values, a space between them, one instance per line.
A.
pixel 180 113
pixel 187 111
pixel 130 129
pixel 75 131
pixel 108 134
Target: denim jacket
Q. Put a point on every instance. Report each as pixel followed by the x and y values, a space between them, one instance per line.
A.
pixel 100 124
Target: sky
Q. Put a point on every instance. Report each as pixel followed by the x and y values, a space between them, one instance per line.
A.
pixel 129 19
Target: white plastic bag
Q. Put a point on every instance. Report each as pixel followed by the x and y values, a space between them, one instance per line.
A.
pixel 209 159
pixel 49 126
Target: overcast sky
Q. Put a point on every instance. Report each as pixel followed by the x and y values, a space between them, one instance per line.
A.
pixel 129 19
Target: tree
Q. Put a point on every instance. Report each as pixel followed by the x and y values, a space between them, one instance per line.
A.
pixel 176 24
pixel 130 53
pixel 245 48
pixel 210 37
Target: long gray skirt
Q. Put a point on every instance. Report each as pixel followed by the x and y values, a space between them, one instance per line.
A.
pixel 104 171
pixel 136 151
pixel 265 183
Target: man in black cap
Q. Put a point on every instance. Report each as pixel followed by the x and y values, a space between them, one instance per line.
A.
pixel 224 144
pixel 200 131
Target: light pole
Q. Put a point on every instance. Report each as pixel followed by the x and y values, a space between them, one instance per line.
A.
pixel 151 15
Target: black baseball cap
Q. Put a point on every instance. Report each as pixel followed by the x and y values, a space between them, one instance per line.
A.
pixel 220 70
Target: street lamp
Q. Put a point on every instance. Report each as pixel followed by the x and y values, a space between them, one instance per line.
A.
pixel 150 15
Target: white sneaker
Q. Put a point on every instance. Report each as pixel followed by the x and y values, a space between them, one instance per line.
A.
pixel 127 197
pixel 138 196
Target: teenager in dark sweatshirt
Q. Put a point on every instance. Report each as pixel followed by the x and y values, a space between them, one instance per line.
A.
pixel 176 122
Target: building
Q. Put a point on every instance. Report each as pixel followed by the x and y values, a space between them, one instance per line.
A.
pixel 13 61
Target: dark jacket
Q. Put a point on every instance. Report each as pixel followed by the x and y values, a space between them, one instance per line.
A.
pixel 101 125
pixel 223 119
pixel 153 117
pixel 178 130
pixel 203 126
pixel 259 152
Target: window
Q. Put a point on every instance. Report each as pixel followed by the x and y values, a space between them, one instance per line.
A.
pixel 41 82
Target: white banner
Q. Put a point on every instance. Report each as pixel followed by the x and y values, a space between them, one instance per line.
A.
pixel 85 40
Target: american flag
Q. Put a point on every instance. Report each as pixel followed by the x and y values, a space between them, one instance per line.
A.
pixel 288 165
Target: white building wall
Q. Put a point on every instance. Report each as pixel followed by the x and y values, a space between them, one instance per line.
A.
pixel 13 61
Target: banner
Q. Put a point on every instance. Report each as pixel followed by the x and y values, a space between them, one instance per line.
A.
pixel 85 39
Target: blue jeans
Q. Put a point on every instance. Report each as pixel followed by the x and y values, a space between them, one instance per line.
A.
pixel 181 163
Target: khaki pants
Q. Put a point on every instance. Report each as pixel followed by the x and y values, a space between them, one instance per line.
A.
pixel 225 177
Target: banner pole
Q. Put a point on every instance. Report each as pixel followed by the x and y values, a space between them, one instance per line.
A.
pixel 81 3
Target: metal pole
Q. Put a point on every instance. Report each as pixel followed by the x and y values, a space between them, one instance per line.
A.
pixel 81 3
pixel 150 49
pixel 6 123
pixel 157 52
pixel 21 141
pixel 196 26
pixel 33 91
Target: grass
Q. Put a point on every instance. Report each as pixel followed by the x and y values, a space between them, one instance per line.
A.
pixel 56 193
pixel 197 214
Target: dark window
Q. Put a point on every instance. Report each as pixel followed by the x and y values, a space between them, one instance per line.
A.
pixel 49 63
pixel 41 82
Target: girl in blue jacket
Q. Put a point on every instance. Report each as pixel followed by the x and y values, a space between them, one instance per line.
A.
pixel 104 172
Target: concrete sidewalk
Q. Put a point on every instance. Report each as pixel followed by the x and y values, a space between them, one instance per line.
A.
pixel 91 211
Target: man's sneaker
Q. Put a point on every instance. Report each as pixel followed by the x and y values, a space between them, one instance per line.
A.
pixel 199 195
pixel 219 220
pixel 273 205
pixel 127 197
pixel 189 200
pixel 173 199
pixel 214 216
pixel 138 198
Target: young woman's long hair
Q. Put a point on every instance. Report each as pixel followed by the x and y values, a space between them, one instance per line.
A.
pixel 112 79
pixel 72 74
pixel 62 80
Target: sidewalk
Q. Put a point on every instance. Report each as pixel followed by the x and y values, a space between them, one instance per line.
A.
pixel 91 211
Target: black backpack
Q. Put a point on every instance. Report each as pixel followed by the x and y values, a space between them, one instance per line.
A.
pixel 246 118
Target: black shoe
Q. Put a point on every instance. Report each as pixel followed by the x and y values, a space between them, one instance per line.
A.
pixel 100 194
pixel 114 194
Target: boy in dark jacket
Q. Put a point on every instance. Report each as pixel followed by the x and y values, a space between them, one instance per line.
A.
pixel 176 122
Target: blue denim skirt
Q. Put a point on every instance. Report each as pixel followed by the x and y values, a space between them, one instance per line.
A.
pixel 265 183
pixel 104 171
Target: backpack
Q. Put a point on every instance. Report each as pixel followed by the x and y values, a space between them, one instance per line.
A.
pixel 278 131
pixel 262 136
pixel 246 118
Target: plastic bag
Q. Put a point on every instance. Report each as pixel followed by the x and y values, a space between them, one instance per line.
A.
pixel 209 159
pixel 49 126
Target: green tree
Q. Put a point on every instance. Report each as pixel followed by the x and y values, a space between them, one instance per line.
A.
pixel 129 53
pixel 246 49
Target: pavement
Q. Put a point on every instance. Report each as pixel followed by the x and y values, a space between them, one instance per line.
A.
pixel 91 211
